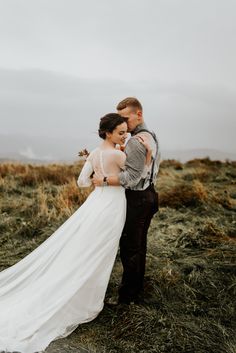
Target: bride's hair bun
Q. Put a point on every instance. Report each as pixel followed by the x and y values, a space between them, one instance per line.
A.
pixel 109 122
pixel 102 134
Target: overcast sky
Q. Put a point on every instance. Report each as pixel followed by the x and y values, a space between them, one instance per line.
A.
pixel 64 64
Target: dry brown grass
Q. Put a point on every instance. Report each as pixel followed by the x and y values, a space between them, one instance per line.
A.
pixel 171 163
pixel 32 175
pixel 40 195
pixel 190 281
pixel 184 194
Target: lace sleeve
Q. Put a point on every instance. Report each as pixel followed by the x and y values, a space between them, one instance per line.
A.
pixel 84 179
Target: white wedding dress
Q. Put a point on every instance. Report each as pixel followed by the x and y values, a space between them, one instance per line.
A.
pixel 62 283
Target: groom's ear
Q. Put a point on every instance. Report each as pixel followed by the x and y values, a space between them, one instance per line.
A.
pixel 140 114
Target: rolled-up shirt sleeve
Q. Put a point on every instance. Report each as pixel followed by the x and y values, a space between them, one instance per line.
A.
pixel 134 165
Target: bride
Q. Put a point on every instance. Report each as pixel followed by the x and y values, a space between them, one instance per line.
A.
pixel 62 283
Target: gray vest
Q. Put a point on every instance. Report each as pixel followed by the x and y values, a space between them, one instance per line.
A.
pixel 151 177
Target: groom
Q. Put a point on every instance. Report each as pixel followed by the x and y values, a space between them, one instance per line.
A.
pixel 142 200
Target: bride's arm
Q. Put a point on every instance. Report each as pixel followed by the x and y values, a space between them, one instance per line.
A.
pixel 84 179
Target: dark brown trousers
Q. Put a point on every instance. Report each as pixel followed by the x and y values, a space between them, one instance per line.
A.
pixel 141 206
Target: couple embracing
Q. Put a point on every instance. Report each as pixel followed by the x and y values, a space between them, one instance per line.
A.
pixel 62 283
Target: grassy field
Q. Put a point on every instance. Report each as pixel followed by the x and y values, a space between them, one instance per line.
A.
pixel 190 282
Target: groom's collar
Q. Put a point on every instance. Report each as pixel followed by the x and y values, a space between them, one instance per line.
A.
pixel 138 128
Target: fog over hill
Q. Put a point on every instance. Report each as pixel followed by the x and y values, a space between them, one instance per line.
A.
pixel 65 64
pixel 46 150
pixel 47 115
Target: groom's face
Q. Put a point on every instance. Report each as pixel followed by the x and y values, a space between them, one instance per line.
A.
pixel 134 116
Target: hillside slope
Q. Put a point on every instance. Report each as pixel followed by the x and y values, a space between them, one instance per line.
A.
pixel 190 281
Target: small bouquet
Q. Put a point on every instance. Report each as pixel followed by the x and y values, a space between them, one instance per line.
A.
pixel 120 147
pixel 83 153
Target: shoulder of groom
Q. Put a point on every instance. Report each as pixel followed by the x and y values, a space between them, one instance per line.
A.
pixel 134 144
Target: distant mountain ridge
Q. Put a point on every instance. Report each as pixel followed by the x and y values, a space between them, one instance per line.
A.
pixel 47 150
pixel 185 155
pixel 42 149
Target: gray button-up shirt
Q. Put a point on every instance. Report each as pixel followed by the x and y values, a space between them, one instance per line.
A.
pixel 134 176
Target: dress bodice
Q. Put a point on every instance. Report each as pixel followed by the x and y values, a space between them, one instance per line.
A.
pixel 103 162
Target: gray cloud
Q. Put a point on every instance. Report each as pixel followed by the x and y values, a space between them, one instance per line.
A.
pixel 54 105
pixel 164 39
pixel 65 63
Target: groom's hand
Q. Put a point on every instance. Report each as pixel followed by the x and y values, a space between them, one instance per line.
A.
pixel 97 181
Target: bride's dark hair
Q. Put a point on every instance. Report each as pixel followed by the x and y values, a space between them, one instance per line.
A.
pixel 109 122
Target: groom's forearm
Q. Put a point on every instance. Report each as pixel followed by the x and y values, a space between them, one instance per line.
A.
pixel 113 180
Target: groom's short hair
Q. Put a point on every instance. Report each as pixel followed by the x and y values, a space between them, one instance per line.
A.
pixel 129 102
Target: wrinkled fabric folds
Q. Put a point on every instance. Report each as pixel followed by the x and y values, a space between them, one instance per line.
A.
pixel 62 283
